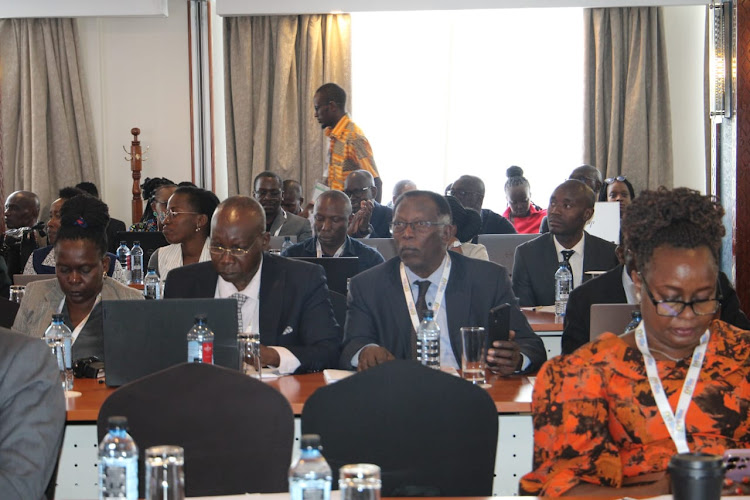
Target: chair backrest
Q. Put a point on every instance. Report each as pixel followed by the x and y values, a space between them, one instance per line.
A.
pixel 432 434
pixel 501 248
pixel 236 431
pixel 610 318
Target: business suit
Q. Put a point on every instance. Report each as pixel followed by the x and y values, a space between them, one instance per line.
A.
pixel 295 311
pixel 608 289
pixel 380 220
pixel 367 257
pixel 115 226
pixel 32 416
pixel 291 225
pixel 536 262
pixel 42 299
pixel 377 311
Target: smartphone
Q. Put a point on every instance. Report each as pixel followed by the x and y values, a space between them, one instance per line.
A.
pixel 737 464
pixel 499 323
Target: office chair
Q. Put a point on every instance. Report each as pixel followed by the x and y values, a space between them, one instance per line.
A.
pixel 8 311
pixel 236 431
pixel 432 434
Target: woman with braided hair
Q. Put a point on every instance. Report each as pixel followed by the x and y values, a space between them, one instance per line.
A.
pixel 82 282
pixel 521 212
pixel 609 416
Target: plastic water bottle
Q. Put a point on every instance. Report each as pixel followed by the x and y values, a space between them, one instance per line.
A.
pixel 136 263
pixel 123 256
pixel 563 286
pixel 200 341
pixel 118 462
pixel 286 243
pixel 152 285
pixel 60 339
pixel 428 341
pixel 635 320
pixel 310 476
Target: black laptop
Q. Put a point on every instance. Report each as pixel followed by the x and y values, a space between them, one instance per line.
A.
pixel 150 241
pixel 144 336
pixel 338 270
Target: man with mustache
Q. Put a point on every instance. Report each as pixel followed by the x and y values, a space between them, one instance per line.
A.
pixel 570 207
pixel 385 304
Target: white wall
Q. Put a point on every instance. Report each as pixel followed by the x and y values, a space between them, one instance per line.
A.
pixel 137 73
pixel 685 28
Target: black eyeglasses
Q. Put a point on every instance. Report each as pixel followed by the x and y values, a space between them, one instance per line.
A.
pixel 674 308
pixel 612 180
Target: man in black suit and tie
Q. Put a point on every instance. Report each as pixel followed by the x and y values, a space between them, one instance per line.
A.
pixel 570 207
pixel 285 300
pixel 469 190
pixel 386 302
pixel 371 219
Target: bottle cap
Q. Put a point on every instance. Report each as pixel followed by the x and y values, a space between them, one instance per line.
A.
pixel 309 441
pixel 57 317
pixel 428 313
pixel 151 269
pixel 123 243
pixel 117 421
pixel 136 243
pixel 200 319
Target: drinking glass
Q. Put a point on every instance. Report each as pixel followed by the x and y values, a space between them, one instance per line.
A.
pixel 165 477
pixel 359 482
pixel 16 293
pixel 248 345
pixel 474 354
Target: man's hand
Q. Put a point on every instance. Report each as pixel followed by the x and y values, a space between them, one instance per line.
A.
pixel 504 357
pixel 361 220
pixel 373 355
pixel 269 357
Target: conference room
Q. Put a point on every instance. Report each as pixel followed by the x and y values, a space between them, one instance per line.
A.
pixel 148 72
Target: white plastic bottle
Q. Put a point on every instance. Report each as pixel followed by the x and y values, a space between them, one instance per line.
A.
pixel 60 339
pixel 118 462
pixel 563 286
pixel 136 263
pixel 310 477
pixel 428 341
pixel 200 341
pixel 152 285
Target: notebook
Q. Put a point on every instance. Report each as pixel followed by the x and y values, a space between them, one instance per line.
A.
pixel 338 270
pixel 144 336
pixel 610 318
pixel 501 248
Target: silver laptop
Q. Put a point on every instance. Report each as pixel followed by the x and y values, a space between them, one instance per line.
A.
pixel 502 247
pixel 25 279
pixel 610 318
pixel 386 246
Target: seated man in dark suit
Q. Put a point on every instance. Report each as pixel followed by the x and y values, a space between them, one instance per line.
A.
pixel 371 219
pixel 331 217
pixel 23 235
pixel 469 190
pixel 267 190
pixel 285 300
pixel 587 174
pixel 32 416
pixel 570 207
pixel 616 287
pixel 381 319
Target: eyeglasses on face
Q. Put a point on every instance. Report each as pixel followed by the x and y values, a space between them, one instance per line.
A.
pixel 672 308
pixel 172 214
pixel 219 250
pixel 353 192
pixel 612 180
pixel 420 226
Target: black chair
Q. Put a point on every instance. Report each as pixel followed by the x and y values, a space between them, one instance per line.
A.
pixel 237 432
pixel 432 434
pixel 8 311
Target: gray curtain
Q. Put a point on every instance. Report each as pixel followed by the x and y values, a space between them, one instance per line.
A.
pixel 627 122
pixel 272 67
pixel 47 137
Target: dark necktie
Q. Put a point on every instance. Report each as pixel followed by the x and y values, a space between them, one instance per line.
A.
pixel 566 259
pixel 421 306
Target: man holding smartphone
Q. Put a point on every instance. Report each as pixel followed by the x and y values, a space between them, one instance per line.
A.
pixel 386 303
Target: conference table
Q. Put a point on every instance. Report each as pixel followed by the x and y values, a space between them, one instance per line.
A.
pixel 77 476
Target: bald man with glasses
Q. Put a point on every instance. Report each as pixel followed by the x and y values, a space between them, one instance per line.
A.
pixel 285 301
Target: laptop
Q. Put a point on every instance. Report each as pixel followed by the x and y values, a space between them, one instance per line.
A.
pixel 150 241
pixel 501 248
pixel 277 241
pixel 610 318
pixel 144 336
pixel 25 279
pixel 386 246
pixel 338 270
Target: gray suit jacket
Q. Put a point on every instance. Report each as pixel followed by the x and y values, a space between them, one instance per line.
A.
pixel 536 262
pixel 32 416
pixel 42 300
pixel 377 312
pixel 292 225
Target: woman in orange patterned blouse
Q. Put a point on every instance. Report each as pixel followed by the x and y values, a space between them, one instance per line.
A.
pixel 598 424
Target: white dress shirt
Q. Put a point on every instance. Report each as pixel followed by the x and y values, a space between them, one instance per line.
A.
pixel 251 315
pixel 576 260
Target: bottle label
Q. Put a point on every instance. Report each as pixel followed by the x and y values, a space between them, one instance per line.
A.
pixel 194 352
pixel 208 352
pixel 312 493
pixel 114 481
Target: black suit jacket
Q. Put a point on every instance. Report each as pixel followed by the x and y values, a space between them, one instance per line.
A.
pixel 377 311
pixel 608 289
pixel 536 262
pixel 380 220
pixel 293 295
pixel 115 226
